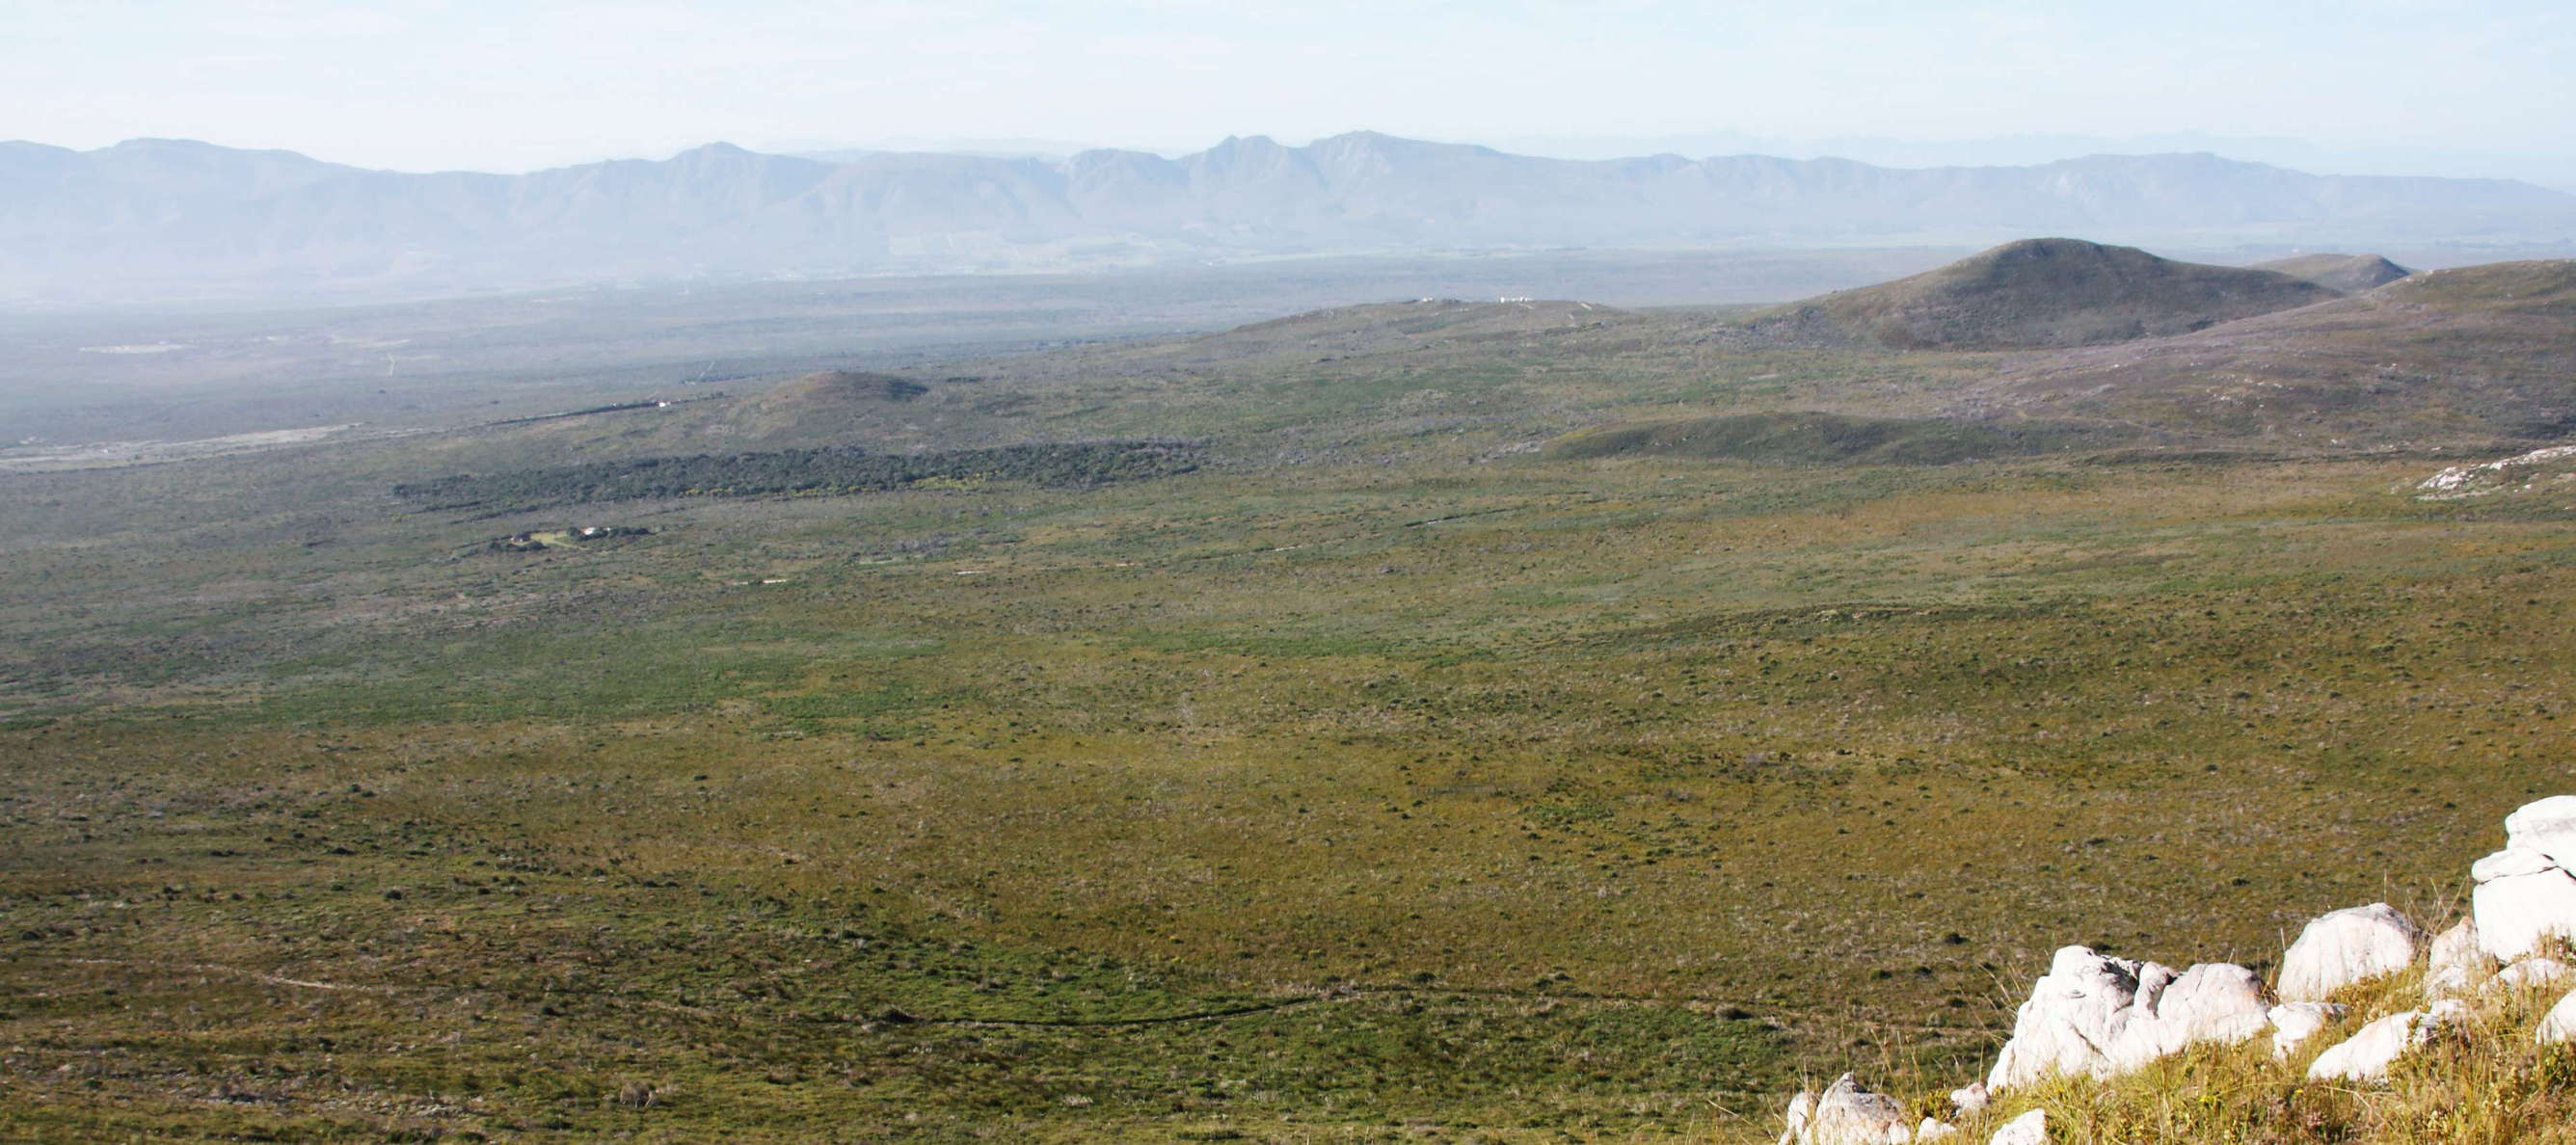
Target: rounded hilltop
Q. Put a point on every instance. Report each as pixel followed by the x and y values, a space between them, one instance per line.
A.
pixel 2043 293
pixel 2477 357
pixel 2348 273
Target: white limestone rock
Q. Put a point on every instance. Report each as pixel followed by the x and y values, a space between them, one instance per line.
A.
pixel 2511 861
pixel 1848 1114
pixel 2455 964
pixel 1801 1109
pixel 2366 1056
pixel 2532 974
pixel 2526 893
pixel 2293 1023
pixel 2103 1016
pixel 2028 1129
pixel 2211 1002
pixel 2458 948
pixel 2519 912
pixel 2343 947
pixel 2080 1005
pixel 1934 1130
pixel 1971 1099
pixel 2559 1024
pixel 2547 826
pixel 2451 982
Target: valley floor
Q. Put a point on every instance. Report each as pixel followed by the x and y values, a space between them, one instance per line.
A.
pixel 1522 800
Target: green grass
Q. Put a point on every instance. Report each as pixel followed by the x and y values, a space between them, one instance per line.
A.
pixel 1433 791
pixel 1807 438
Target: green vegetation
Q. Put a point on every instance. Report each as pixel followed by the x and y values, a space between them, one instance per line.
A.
pixel 2481 1080
pixel 1806 438
pixel 1393 777
pixel 818 471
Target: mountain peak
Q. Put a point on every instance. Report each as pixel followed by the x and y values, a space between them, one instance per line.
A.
pixel 715 149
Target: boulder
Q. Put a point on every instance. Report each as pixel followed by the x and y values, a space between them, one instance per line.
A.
pixel 1801 1109
pixel 2101 1016
pixel 2366 1055
pixel 2079 1006
pixel 1932 1130
pixel 2559 1024
pixel 2458 949
pixel 1847 1114
pixel 2547 826
pixel 2293 1023
pixel 2028 1129
pixel 2451 982
pixel 2532 974
pixel 2521 906
pixel 1971 1099
pixel 2526 893
pixel 2346 946
pixel 2211 1002
pixel 2456 964
pixel 2510 862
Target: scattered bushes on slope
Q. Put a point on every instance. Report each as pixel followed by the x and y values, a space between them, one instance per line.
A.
pixel 1808 437
pixel 828 471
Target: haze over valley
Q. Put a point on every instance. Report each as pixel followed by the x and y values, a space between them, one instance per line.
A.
pixel 152 219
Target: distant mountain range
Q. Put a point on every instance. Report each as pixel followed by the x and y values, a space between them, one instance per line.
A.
pixel 167 218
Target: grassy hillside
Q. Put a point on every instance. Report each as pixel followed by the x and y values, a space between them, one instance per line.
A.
pixel 2044 292
pixel 2454 355
pixel 1392 774
pixel 1808 438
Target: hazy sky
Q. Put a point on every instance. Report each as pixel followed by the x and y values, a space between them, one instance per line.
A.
pixel 517 84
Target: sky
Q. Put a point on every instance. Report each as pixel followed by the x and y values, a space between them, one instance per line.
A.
pixel 511 86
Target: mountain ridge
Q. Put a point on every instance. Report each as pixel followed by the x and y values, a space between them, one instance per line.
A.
pixel 176 216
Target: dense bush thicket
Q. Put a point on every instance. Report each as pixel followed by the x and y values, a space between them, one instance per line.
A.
pixel 831 470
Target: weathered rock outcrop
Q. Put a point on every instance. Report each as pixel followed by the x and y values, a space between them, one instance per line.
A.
pixel 2293 1023
pixel 2526 895
pixel 2457 964
pixel 2028 1129
pixel 2367 1055
pixel 2103 1016
pixel 2345 947
pixel 1847 1114
pixel 2092 1015
pixel 2559 1025
pixel 2532 974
